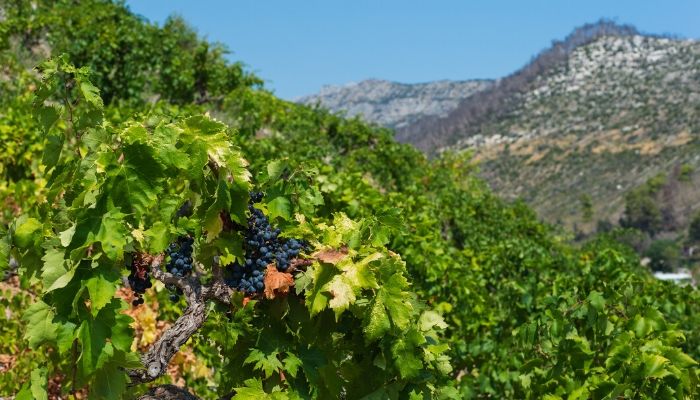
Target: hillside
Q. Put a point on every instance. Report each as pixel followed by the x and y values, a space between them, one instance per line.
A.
pixel 395 105
pixel 619 111
pixel 592 117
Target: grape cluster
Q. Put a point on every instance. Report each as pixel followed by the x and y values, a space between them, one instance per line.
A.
pixel 180 263
pixel 263 246
pixel 139 279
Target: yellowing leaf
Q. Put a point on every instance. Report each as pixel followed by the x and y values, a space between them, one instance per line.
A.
pixel 342 295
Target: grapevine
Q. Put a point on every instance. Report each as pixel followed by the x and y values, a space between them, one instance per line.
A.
pixel 263 247
pixel 309 256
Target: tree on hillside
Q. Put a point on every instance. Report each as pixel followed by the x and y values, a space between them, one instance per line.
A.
pixel 694 228
pixel 642 212
pixel 665 255
pixel 587 207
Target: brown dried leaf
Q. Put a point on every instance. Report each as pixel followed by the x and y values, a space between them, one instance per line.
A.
pixel 332 256
pixel 7 361
pixel 276 282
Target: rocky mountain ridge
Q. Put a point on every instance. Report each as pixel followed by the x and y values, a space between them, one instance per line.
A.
pixel 591 117
pixel 395 105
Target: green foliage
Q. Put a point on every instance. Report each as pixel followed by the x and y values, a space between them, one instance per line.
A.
pixel 116 190
pixel 130 59
pixel 685 172
pixel 422 283
pixel 694 228
pixel 664 255
pixel 642 211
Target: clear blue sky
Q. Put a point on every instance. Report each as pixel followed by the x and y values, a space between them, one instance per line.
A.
pixel 299 45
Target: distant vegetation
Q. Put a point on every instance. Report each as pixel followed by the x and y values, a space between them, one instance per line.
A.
pixel 139 217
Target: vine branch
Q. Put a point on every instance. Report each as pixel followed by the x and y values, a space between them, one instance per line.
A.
pixel 158 356
pixel 168 392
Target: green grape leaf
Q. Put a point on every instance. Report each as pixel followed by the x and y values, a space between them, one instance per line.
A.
pixel 252 390
pixel 597 300
pixel 109 383
pixel 396 301
pixel 136 181
pixel 275 169
pixel 157 236
pixel 55 275
pixel 40 325
pixel 679 359
pixel 25 393
pixel 101 291
pixel 268 363
pixel 52 150
pixel 654 366
pixel 280 207
pixel 91 94
pixel 377 321
pixel 67 236
pixel 26 233
pixel 47 116
pixel 317 297
pixel 212 221
pixel 122 333
pixel 65 334
pixel 292 363
pixel 651 321
pixel 92 338
pixel 430 319
pixel 4 250
pixel 39 384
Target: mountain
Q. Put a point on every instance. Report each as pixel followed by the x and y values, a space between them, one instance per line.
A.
pixel 584 122
pixel 396 105
pixel 588 120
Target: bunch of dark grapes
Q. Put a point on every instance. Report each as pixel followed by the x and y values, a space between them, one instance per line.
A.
pixel 180 263
pixel 139 279
pixel 263 246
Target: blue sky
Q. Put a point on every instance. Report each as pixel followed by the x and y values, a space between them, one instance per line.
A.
pixel 297 46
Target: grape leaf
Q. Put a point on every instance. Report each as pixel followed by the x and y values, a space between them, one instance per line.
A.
pixel 342 295
pixel 280 207
pixel 377 321
pixel 276 282
pixel 54 274
pixel 26 232
pixel 91 94
pixel 39 384
pixel 331 256
pixel 40 327
pixel 101 291
pixel 268 363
